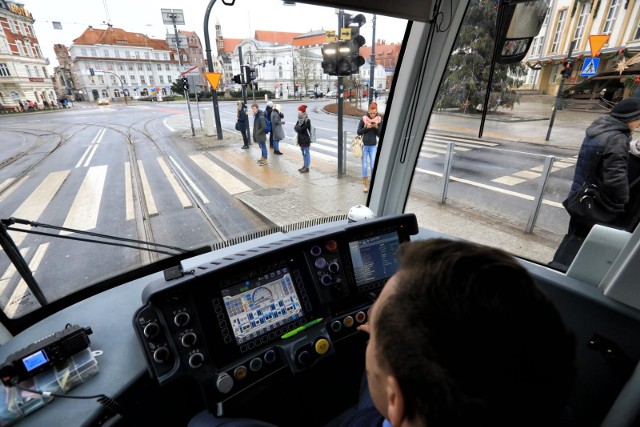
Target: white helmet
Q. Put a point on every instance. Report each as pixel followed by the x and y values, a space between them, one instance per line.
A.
pixel 359 213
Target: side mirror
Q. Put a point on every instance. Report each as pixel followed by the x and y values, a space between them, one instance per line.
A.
pixel 519 21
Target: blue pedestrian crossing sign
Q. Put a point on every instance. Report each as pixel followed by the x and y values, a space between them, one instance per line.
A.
pixel 590 67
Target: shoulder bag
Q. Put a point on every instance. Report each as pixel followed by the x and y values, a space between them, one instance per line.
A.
pixel 590 205
pixel 356 146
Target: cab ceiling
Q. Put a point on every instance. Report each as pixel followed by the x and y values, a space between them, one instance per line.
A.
pixel 414 10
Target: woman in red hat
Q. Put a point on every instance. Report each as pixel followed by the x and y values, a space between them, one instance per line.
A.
pixel 302 128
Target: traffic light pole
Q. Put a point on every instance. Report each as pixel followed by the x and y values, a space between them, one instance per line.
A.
pixel 341 153
pixel 175 30
pixel 558 96
pixel 373 61
pixel 214 91
pixel 244 95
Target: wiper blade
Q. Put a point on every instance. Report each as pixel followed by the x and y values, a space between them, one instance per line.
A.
pixel 115 241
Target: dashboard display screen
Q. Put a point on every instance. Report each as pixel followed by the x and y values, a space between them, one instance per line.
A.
pixel 261 304
pixel 374 258
pixel 35 360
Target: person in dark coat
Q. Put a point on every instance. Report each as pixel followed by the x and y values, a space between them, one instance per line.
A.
pixel 242 122
pixel 267 114
pixel 277 129
pixel 603 160
pixel 259 133
pixel 302 128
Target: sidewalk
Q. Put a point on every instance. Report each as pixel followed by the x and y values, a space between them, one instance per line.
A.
pixel 283 196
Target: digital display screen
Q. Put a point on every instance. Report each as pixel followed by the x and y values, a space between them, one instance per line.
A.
pixel 374 258
pixel 35 360
pixel 261 304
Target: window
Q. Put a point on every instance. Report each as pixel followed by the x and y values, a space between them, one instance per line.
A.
pixel 559 30
pixel 612 13
pixel 127 54
pixel 4 70
pixel 130 67
pixel 133 78
pixel 44 71
pixel 167 67
pixel 124 79
pixel 152 80
pixel 582 20
pixel 93 52
pixel 117 53
pixel 12 26
pixel 140 67
pixel 161 79
pixel 142 80
pixel 148 67
pixel 26 67
pixel 20 48
pixel 39 52
pixel 156 55
pixel 137 55
pixel 106 53
pixel 146 55
pixel 159 67
pixel 83 51
pixel 169 79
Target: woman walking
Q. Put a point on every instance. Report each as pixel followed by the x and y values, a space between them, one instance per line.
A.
pixel 369 127
pixel 304 139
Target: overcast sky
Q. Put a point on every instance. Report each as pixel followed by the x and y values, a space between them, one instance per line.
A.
pixel 144 16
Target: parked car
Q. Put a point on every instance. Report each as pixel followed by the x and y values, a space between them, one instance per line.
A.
pixel 331 94
pixel 103 101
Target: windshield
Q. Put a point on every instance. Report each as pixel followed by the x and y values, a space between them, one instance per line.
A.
pixel 112 131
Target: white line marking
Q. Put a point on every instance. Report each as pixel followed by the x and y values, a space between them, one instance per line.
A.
pixel 508 180
pixel 128 191
pixel 22 300
pixel 83 214
pixel 184 200
pixel 167 126
pixel 37 201
pixel 192 184
pixel 146 189
pixel 91 147
pixel 229 182
pixel 527 174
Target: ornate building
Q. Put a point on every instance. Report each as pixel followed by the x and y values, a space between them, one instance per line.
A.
pixel 23 71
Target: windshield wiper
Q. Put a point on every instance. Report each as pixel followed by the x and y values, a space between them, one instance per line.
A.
pixel 115 240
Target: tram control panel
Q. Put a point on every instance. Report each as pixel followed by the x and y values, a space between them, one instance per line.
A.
pixel 233 322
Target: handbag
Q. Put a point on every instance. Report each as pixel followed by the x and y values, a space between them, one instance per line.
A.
pixel 590 205
pixel 356 146
pixel 238 126
pixel 295 139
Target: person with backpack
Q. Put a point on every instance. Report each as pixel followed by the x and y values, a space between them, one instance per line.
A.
pixel 369 127
pixel 302 129
pixel 259 133
pixel 277 131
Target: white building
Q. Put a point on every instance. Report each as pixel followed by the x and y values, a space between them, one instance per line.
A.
pixel 23 70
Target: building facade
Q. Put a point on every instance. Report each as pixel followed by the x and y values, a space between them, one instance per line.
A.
pixel 107 63
pixel 23 69
pixel 565 33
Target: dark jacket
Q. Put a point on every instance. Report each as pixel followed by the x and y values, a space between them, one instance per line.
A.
pixel 259 127
pixel 242 120
pixel 604 158
pixel 304 140
pixel 369 135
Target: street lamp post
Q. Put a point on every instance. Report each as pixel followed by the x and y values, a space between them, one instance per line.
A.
pixel 121 85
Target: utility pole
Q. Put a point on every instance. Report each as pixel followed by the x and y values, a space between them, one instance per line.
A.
pixel 372 61
pixel 176 16
pixel 244 95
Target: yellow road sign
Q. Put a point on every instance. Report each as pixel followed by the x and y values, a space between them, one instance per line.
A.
pixel 214 79
pixel 596 42
pixel 331 35
pixel 345 33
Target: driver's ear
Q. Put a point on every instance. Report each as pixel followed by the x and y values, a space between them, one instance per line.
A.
pixel 395 401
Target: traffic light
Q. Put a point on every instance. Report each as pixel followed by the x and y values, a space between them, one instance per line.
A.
pixel 567 68
pixel 250 74
pixel 237 79
pixel 342 58
pixel 185 83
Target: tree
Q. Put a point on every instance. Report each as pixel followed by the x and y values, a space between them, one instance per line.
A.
pixel 305 64
pixel 467 75
pixel 176 87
